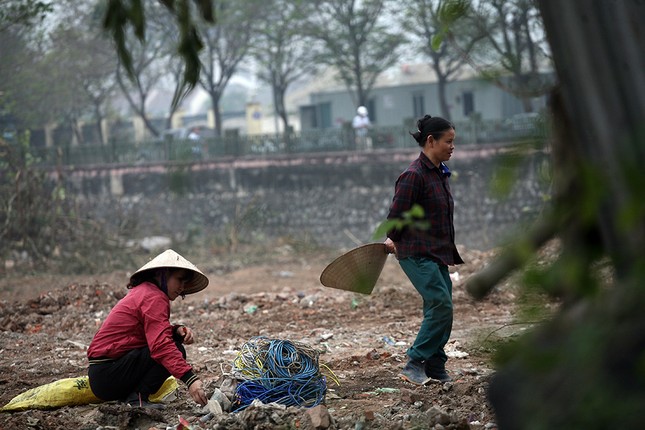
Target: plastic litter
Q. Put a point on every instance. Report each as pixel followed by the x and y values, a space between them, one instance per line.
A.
pixel 250 309
pixel 388 340
pixel 387 390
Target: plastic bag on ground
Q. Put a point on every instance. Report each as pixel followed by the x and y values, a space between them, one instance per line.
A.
pixel 71 392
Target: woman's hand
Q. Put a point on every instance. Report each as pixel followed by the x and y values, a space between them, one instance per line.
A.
pixel 196 391
pixel 390 247
pixel 186 334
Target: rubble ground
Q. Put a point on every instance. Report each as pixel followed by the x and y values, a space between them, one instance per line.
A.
pixel 46 324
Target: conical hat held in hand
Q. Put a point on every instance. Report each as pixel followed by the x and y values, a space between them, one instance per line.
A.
pixel 356 270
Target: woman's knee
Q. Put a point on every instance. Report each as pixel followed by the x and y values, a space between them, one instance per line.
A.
pixel 440 310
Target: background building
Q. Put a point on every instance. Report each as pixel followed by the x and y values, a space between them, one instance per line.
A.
pixel 403 94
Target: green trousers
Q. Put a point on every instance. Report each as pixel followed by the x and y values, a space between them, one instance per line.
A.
pixel 433 282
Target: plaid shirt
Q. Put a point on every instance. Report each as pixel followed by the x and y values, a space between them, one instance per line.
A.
pixel 425 184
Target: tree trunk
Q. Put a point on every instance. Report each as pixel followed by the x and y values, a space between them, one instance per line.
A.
pixel 99 128
pixel 218 120
pixel 148 123
pixel 583 369
pixel 603 91
pixel 280 108
pixel 218 117
pixel 443 100
pixel 76 129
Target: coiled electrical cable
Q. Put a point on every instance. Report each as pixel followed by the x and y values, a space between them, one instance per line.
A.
pixel 280 371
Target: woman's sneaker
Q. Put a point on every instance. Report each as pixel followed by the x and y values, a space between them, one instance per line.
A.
pixel 414 373
pixel 436 369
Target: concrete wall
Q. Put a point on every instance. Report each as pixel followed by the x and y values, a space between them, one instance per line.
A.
pixel 333 199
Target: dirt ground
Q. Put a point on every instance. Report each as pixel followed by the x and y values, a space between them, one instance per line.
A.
pixel 46 324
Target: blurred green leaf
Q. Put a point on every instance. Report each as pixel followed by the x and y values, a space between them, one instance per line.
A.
pixel 436 41
pixel 413 218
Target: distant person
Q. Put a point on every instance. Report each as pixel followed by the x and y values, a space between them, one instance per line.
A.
pixel 425 251
pixel 361 124
pixel 195 138
pixel 194 134
pixel 136 348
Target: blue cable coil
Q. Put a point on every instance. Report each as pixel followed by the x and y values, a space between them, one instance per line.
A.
pixel 278 371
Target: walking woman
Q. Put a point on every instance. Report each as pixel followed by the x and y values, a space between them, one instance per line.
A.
pixel 426 247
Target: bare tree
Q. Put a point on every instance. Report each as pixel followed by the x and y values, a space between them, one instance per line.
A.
pixel 21 88
pixel 100 88
pixel 41 90
pixel 123 18
pixel 515 46
pixel 87 64
pixel 65 100
pixel 137 91
pixel 175 69
pixel 147 69
pixel 173 64
pixel 226 44
pixel 22 12
pixel 356 41
pixel 423 20
pixel 283 54
pixel 25 79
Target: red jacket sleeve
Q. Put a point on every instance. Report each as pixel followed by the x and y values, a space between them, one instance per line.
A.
pixel 155 314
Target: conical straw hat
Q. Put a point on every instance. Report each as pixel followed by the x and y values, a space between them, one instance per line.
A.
pixel 357 270
pixel 170 258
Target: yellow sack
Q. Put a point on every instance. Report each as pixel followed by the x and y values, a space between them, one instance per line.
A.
pixel 71 392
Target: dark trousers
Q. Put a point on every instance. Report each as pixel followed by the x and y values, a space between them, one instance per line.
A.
pixel 433 282
pixel 135 372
